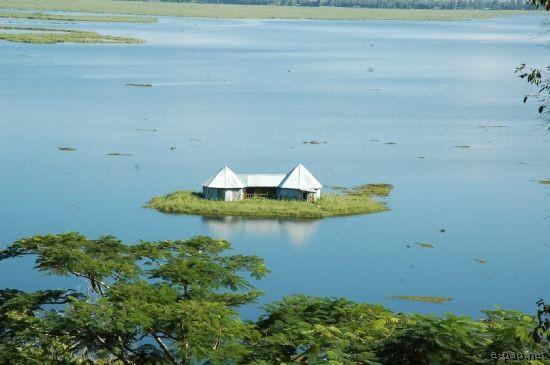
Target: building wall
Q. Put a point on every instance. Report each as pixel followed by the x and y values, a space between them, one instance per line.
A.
pixel 222 194
pixel 290 194
pixel 295 194
pixel 210 193
pixel 234 194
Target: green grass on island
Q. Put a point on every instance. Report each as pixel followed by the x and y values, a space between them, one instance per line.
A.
pixel 544 181
pixel 78 18
pixel 188 202
pixel 249 11
pixel 52 35
pixel 419 298
pixel 377 189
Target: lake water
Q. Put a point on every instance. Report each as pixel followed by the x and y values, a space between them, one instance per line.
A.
pixel 246 94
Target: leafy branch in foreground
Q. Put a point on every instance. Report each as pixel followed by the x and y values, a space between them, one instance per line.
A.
pixel 540 78
pixel 174 302
pixel 166 301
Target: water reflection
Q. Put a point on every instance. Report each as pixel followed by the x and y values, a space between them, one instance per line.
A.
pixel 297 231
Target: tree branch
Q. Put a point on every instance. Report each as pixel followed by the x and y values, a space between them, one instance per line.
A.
pixel 165 349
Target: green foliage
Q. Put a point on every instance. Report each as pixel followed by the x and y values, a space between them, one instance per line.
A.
pixel 436 340
pixel 174 302
pixel 542 328
pixel 302 329
pixel 378 189
pixel 187 202
pixel 51 35
pixel 540 79
pixel 510 331
pixel 167 301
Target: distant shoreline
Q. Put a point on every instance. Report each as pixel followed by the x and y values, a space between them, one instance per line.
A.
pixel 229 11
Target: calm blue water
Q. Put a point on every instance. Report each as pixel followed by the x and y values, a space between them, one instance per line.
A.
pixel 251 92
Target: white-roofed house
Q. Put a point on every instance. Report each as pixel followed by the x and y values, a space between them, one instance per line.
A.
pixel 298 184
pixel 225 185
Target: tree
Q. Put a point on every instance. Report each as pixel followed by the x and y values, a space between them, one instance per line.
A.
pixel 303 329
pixel 538 77
pixel 174 302
pixel 167 302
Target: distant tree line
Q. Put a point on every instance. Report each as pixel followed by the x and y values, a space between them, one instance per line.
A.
pixel 383 4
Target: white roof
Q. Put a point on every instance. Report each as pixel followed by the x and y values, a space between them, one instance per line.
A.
pixel 300 178
pixel 224 179
pixel 262 180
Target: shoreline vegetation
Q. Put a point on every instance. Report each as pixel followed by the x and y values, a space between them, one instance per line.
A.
pixel 78 18
pixel 354 201
pixel 162 294
pixel 53 35
pixel 230 11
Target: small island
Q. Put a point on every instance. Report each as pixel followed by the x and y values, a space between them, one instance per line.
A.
pixel 293 195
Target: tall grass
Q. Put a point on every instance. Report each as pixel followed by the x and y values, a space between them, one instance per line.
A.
pixel 187 202
pixel 248 11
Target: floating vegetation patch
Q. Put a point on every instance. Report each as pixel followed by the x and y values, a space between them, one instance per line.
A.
pixel 493 126
pixel 119 154
pixel 390 143
pixel 139 84
pixel 544 181
pixel 79 18
pixel 66 148
pixel 442 230
pixel 195 139
pixel 146 130
pixel 418 298
pixel 425 245
pixel 481 261
pixel 331 204
pixel 462 146
pixel 51 35
pixel 377 189
pixel 314 142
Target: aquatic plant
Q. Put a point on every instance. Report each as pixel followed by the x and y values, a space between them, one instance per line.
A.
pixel 544 181
pixel 419 298
pixel 52 35
pixel 376 189
pixel 78 18
pixel 119 154
pixel 139 85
